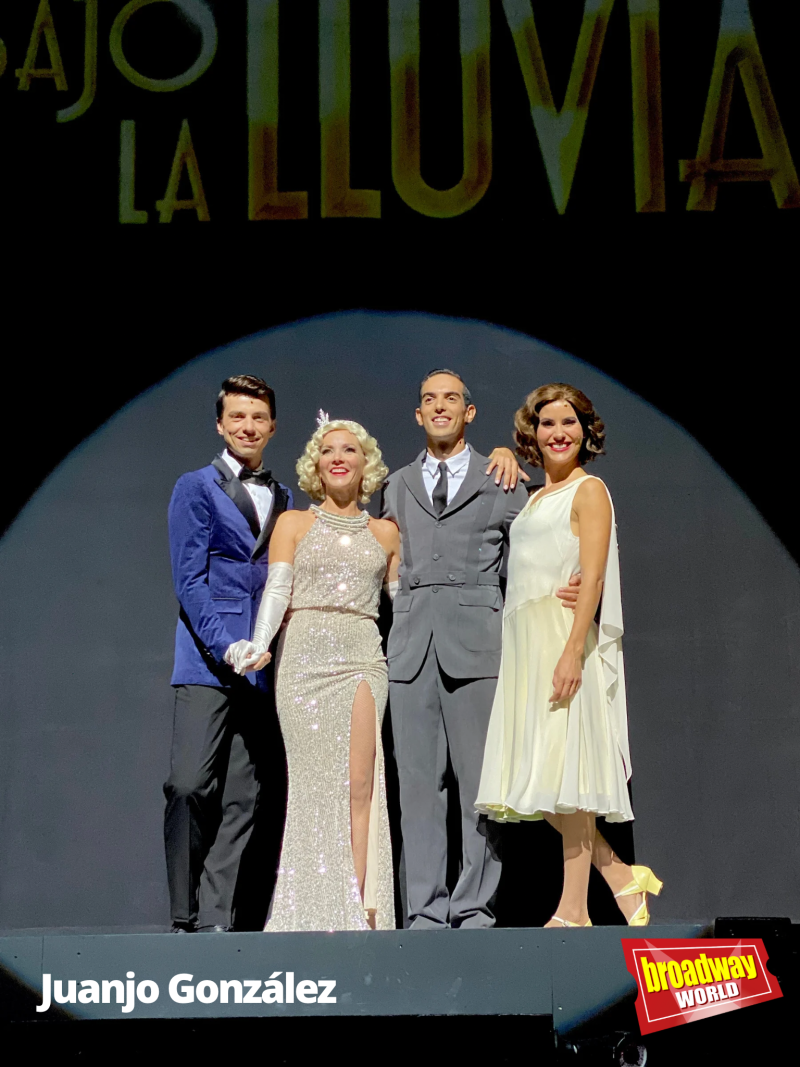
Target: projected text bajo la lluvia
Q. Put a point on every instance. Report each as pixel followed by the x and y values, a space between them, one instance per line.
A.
pixel 559 131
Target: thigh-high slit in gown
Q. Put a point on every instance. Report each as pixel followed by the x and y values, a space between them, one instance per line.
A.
pixel 329 646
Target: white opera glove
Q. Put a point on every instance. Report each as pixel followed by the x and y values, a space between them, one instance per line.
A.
pixel 274 602
pixel 391 588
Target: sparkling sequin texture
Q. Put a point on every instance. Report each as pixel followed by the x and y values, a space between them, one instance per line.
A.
pixel 329 646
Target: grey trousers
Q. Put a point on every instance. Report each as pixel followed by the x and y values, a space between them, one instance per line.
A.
pixel 434 715
pixel 212 794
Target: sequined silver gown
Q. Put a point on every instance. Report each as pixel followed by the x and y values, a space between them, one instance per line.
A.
pixel 329 646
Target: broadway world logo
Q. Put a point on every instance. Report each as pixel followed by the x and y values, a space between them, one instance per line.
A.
pixel 680 980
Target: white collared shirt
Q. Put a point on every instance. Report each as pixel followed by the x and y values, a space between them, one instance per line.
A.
pixel 261 495
pixel 457 467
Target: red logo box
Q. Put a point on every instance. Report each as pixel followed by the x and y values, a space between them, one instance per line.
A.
pixel 680 981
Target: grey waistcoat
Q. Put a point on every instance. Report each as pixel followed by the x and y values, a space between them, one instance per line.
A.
pixel 450 572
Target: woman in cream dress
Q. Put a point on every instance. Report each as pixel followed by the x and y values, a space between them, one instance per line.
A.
pixel 326 569
pixel 557 745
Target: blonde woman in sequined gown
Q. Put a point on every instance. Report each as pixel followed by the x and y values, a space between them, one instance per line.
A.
pixel 327 567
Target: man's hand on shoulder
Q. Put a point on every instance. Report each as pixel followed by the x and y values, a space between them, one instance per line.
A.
pixel 504 462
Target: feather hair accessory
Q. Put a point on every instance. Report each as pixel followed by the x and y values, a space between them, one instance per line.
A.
pixel 323 418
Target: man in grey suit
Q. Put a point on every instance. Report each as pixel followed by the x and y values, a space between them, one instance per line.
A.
pixel 444 651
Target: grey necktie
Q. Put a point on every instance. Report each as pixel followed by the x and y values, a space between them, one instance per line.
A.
pixel 439 498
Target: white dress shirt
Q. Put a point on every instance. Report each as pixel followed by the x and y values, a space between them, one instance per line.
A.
pixel 261 495
pixel 457 467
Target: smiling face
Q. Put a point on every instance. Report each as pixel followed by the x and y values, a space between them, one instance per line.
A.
pixel 559 434
pixel 246 426
pixel 341 462
pixel 442 412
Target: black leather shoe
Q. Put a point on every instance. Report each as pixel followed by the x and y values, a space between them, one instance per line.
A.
pixel 214 930
pixel 177 928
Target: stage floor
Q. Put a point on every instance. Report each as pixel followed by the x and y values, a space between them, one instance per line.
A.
pixel 575 976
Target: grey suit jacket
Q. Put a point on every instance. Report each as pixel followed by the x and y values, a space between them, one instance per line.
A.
pixel 450 572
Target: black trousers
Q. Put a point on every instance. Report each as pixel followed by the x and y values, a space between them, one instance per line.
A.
pixel 212 798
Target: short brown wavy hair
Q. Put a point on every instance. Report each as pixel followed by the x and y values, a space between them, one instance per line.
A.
pixel 526 421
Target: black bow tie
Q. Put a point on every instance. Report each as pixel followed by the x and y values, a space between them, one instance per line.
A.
pixel 259 477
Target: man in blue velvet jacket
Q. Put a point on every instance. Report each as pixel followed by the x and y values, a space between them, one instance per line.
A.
pixel 220 521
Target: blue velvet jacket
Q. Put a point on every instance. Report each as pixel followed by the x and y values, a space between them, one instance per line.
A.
pixel 219 569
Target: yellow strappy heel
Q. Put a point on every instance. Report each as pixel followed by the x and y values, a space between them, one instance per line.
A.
pixel 644 881
pixel 566 922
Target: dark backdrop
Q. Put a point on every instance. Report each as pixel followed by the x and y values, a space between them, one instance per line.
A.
pixel 694 312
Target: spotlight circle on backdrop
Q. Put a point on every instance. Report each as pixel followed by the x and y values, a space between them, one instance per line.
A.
pixel 711 601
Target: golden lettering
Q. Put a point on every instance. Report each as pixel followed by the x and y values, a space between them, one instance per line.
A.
pixel 185 158
pixel 404 46
pixel 81 106
pixel 127 176
pixel 560 132
pixel 648 121
pixel 199 14
pixel 339 201
pixel 738 50
pixel 266 200
pixel 43 26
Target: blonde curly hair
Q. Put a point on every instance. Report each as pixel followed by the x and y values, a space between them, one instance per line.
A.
pixel 307 468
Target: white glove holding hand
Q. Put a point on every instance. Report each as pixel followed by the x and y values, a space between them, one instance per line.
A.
pixel 244 655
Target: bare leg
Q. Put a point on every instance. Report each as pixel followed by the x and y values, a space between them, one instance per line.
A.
pixel 616 873
pixel 578 834
pixel 553 820
pixel 362 770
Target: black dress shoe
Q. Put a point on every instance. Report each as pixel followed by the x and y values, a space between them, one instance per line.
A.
pixel 178 928
pixel 214 930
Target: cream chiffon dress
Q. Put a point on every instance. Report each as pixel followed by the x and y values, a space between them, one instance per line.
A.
pixel 329 647
pixel 574 755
